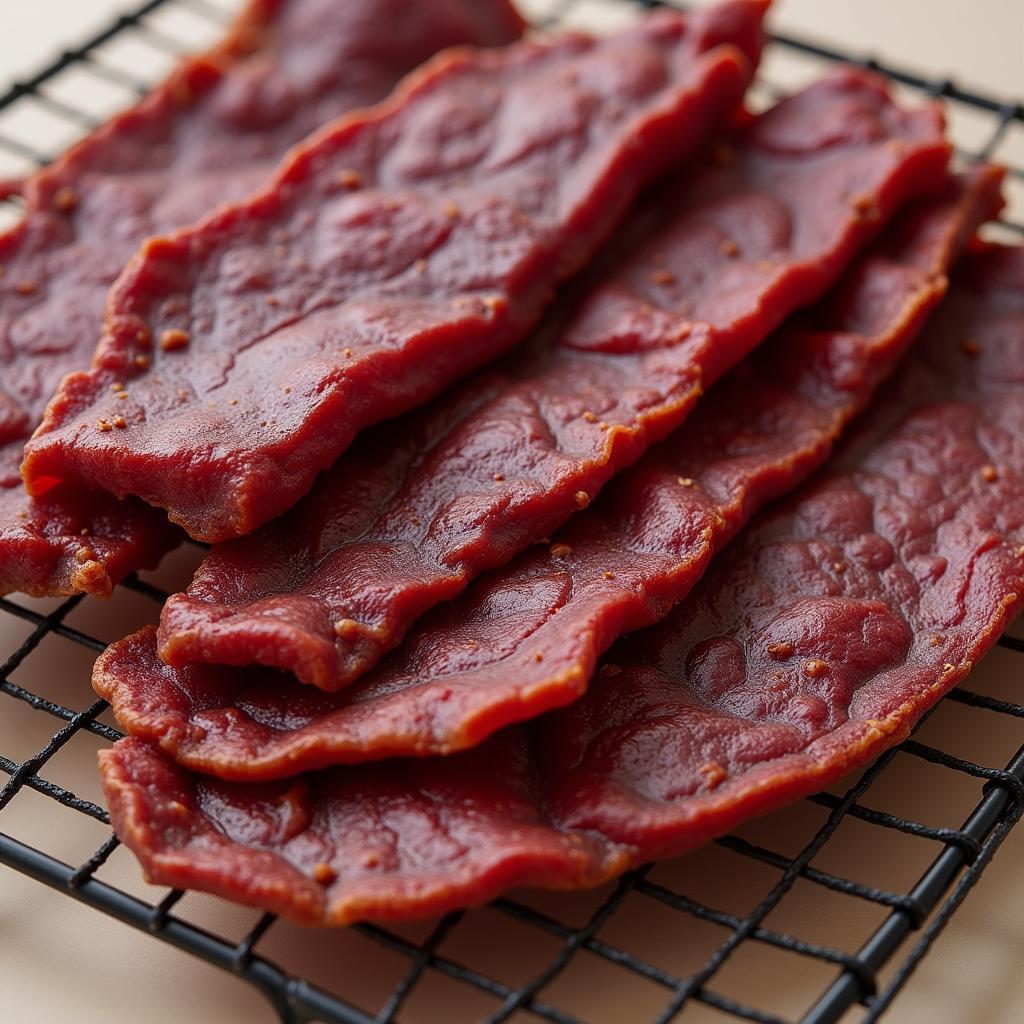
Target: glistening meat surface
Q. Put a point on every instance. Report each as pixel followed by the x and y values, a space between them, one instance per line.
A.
pixel 707 267
pixel 817 642
pixel 210 133
pixel 526 638
pixel 400 248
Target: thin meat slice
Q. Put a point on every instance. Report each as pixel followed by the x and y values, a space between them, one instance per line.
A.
pixel 526 639
pixel 209 134
pixel 707 268
pixel 818 640
pixel 400 248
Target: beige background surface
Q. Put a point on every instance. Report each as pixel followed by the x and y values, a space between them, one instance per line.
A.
pixel 62 962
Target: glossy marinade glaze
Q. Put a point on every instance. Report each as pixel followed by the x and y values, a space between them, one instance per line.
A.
pixel 526 638
pixel 816 642
pixel 703 271
pixel 209 134
pixel 397 250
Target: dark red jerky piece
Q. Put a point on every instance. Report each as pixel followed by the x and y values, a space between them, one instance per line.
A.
pixel 526 638
pixel 719 256
pixel 401 248
pixel 780 674
pixel 209 134
pixel 824 633
pixel 53 546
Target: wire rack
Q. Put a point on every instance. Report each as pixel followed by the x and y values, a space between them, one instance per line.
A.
pixel 905 920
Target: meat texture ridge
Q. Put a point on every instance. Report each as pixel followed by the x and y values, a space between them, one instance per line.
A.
pixel 815 643
pixel 526 638
pixel 210 133
pixel 709 265
pixel 398 249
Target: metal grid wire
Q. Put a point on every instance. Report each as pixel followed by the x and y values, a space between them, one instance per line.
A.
pixel 925 908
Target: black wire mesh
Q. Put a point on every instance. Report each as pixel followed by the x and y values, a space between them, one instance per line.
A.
pixel 869 976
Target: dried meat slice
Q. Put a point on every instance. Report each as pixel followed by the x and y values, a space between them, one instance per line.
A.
pixel 399 249
pixel 209 134
pixel 816 643
pixel 526 639
pixel 707 268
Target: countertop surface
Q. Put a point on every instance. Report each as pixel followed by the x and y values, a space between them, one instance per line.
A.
pixel 64 962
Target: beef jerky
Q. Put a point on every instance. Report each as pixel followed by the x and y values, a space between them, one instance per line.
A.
pixel 718 257
pixel 816 643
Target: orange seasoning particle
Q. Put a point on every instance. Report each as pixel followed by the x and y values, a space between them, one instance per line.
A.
pixel 582 499
pixel 173 339
pixel 989 474
pixel 781 650
pixel 730 248
pixel 26 287
pixel 714 774
pixel 866 207
pixel 65 199
pixel 324 873
pixel 346 628
pixel 560 551
pixel 349 178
